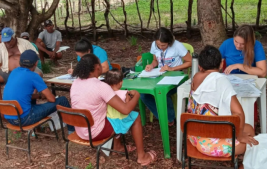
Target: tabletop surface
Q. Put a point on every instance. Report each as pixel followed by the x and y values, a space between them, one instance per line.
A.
pixel 149 83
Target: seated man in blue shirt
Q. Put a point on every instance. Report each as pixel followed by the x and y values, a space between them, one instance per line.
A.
pixel 84 46
pixel 20 87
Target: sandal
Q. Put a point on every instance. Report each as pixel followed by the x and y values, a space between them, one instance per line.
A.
pixel 153 156
pixel 171 123
pixel 130 148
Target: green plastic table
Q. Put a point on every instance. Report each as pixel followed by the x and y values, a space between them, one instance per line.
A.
pixel 149 86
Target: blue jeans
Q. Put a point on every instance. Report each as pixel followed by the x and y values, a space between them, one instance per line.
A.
pixel 40 111
pixel 150 102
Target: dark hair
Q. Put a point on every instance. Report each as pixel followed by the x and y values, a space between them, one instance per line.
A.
pixel 83 46
pixel 85 66
pixel 210 58
pixel 164 35
pixel 247 33
pixel 113 76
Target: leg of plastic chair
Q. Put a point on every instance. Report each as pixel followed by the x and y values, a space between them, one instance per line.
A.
pixel 183 161
pixel 97 157
pixel 236 164
pixel 67 154
pixel 125 148
pixel 151 117
pixel 7 143
pixel 29 145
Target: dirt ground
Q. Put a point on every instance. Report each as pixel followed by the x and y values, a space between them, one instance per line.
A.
pixel 48 153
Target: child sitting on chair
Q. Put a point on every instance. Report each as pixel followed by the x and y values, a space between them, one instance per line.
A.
pixel 121 123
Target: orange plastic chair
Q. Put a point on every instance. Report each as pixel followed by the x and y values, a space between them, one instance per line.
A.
pixel 138 58
pixel 83 118
pixel 116 65
pixel 13 108
pixel 210 127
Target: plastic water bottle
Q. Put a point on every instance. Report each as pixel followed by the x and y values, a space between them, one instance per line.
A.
pixel 194 65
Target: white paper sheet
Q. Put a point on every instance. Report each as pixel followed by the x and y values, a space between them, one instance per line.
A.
pixel 66 77
pixel 62 48
pixel 173 80
pixel 244 87
pixel 153 73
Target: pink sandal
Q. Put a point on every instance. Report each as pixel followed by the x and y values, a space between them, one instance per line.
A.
pixel 153 156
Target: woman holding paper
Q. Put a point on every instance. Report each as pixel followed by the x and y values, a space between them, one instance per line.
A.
pixel 168 55
pixel 243 53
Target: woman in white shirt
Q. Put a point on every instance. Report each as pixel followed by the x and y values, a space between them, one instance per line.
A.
pixel 169 55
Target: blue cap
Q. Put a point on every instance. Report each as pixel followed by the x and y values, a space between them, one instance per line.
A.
pixel 7 34
pixel 29 57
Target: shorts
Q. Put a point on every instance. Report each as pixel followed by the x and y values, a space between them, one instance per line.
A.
pixel 5 75
pixel 106 132
pixel 45 54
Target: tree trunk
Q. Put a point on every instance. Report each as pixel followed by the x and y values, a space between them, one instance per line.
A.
pixel 226 24
pixel 72 20
pixel 106 17
pixel 150 14
pixel 159 13
pixel 210 21
pixel 66 18
pixel 189 18
pixel 93 19
pixel 171 2
pixel 79 16
pixel 233 15
pixel 258 14
pixel 125 19
pixel 141 22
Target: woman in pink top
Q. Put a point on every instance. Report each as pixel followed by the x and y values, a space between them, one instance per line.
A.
pixel 87 92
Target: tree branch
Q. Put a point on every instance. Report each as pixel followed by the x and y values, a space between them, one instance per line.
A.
pixel 7 5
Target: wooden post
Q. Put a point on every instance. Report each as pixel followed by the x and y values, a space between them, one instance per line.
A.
pixel 233 15
pixel 88 9
pixel 258 14
pixel 141 22
pixel 73 6
pixel 226 24
pixel 171 2
pixel 189 18
pixel 159 13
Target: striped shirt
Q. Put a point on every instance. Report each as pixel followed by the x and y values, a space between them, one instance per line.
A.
pixel 93 95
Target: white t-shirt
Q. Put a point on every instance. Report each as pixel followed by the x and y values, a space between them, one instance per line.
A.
pixel 172 55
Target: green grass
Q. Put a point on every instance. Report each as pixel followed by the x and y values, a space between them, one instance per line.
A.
pixel 46 67
pixel 133 41
pixel 245 12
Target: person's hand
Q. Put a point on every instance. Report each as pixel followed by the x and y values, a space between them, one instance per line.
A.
pixel 148 68
pixel 165 68
pixel 133 93
pixel 229 69
pixel 246 138
pixel 50 54
pixel 128 97
pixel 70 71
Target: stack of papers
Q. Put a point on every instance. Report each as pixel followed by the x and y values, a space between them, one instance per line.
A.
pixel 244 87
pixel 173 80
pixel 66 77
pixel 153 73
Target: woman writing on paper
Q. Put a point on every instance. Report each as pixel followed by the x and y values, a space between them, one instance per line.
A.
pixel 243 53
pixel 168 55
